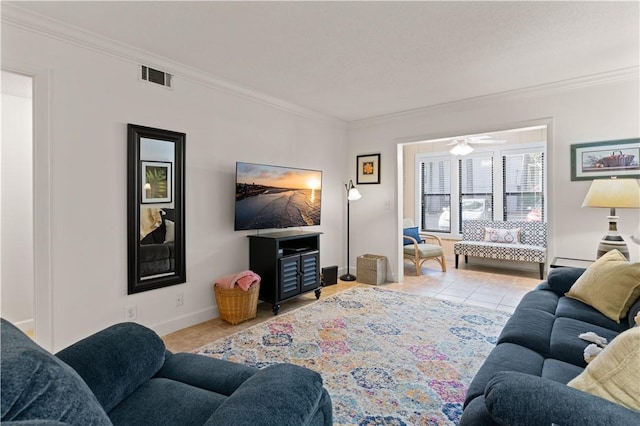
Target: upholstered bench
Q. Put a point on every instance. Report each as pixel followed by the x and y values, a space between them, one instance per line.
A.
pixel 510 240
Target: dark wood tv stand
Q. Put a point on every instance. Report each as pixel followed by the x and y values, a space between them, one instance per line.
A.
pixel 288 262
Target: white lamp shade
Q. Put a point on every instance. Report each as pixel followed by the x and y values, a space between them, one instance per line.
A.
pixel 613 193
pixel 354 195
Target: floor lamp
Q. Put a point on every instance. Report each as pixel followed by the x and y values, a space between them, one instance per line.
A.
pixel 613 193
pixel 352 195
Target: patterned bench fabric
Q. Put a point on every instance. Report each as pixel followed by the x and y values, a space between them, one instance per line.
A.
pixel 533 246
pixel 522 252
pixel 533 233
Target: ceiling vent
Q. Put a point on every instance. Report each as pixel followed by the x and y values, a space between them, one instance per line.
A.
pixel 156 76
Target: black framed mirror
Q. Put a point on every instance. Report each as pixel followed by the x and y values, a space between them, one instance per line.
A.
pixel 155 208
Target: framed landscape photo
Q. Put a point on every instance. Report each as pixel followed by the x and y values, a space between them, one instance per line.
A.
pixel 368 167
pixel 601 160
pixel 156 182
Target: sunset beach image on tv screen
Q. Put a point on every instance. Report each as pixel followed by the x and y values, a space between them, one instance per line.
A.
pixel 276 197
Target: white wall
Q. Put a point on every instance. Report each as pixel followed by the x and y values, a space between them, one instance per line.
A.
pixel 16 276
pixel 93 95
pixel 605 107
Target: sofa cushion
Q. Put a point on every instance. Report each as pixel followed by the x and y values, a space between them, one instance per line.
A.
pixel 530 328
pixel 36 386
pixel 152 252
pixel 166 402
pixel 546 301
pixel 559 371
pixel 615 373
pixel 286 382
pixel 216 375
pixel 565 343
pixel 611 285
pixel 572 308
pixel 424 250
pixel 504 357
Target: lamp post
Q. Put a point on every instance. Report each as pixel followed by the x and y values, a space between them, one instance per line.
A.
pixel 352 195
pixel 613 193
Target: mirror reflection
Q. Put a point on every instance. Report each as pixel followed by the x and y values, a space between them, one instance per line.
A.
pixel 156 217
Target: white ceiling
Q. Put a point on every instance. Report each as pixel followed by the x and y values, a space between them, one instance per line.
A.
pixel 355 60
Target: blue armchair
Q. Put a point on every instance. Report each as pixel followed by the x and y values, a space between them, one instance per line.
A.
pixel 123 375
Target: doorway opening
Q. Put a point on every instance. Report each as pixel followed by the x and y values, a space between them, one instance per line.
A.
pixel 17 270
pixel 501 176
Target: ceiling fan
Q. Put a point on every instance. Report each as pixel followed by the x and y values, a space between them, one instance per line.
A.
pixel 462 146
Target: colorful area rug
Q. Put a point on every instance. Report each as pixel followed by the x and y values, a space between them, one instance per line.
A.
pixel 386 357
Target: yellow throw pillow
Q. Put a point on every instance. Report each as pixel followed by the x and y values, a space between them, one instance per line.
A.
pixel 611 284
pixel 615 373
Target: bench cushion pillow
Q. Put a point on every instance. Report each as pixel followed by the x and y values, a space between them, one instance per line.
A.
pixel 610 285
pixel 507 236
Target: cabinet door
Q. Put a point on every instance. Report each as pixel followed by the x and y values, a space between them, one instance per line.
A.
pixel 309 271
pixel 289 277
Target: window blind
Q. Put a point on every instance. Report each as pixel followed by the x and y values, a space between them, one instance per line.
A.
pixel 476 188
pixel 435 193
pixel 523 186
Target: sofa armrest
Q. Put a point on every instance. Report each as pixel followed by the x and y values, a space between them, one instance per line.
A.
pixel 560 280
pixel 518 399
pixel 282 394
pixel 116 361
pixel 201 371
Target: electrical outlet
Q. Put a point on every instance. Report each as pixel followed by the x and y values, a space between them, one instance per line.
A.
pixel 179 299
pixel 130 313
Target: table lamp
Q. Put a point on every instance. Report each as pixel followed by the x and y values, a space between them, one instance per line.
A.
pixel 613 193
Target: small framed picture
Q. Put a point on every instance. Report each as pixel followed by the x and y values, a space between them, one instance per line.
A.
pixel 156 182
pixel 368 167
pixel 601 160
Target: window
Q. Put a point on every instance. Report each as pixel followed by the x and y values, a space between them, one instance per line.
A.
pixel 523 186
pixel 476 188
pixel 435 182
pixel 497 183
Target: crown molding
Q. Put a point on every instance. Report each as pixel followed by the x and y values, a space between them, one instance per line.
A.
pixel 15 16
pixel 605 78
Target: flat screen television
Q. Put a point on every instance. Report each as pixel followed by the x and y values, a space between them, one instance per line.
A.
pixel 276 197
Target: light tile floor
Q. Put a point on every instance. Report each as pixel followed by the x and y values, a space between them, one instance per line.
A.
pixel 475 285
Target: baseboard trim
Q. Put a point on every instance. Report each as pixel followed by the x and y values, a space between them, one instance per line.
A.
pixel 178 323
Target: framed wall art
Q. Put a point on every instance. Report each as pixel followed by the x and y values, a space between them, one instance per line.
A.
pixel 601 160
pixel 156 182
pixel 368 167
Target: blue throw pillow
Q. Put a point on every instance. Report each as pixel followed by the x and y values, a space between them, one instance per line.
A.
pixel 413 233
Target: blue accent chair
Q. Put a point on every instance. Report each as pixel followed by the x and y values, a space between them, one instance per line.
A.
pixel 123 375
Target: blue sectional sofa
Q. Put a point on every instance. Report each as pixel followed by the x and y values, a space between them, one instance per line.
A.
pixel 523 380
pixel 124 376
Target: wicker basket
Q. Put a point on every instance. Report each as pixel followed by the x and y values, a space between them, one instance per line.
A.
pixel 371 269
pixel 236 305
